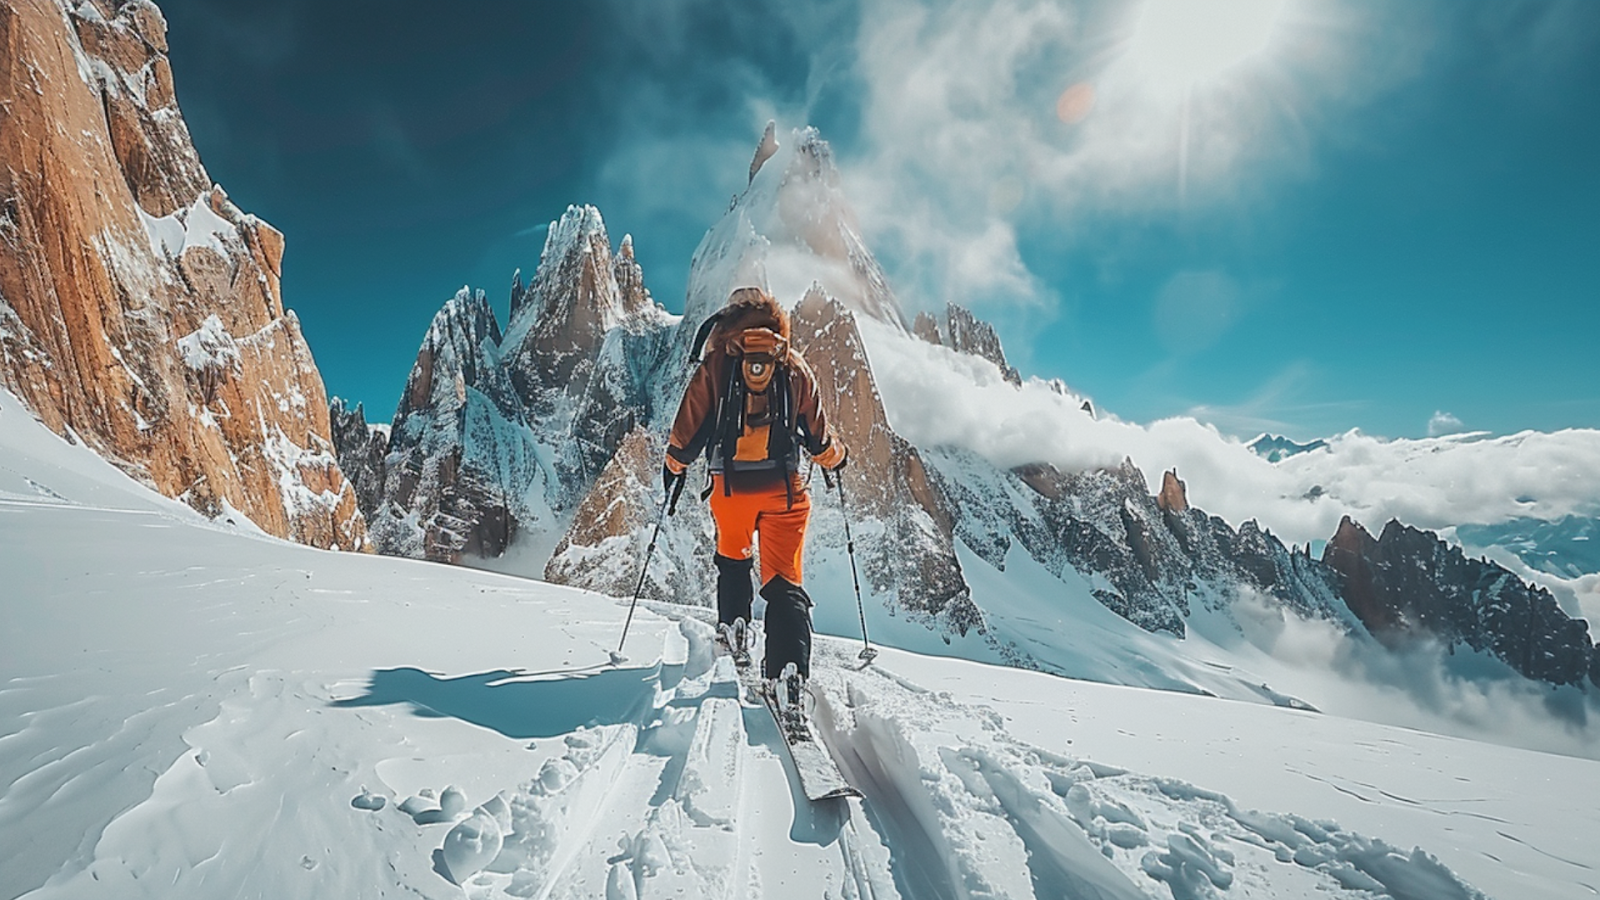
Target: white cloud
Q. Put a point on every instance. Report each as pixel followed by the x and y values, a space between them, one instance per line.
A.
pixel 935 397
pixel 1442 423
pixel 980 119
pixel 1420 685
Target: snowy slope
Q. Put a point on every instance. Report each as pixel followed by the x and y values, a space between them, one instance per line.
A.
pixel 189 711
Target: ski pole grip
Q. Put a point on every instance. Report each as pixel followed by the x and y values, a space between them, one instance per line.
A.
pixel 677 491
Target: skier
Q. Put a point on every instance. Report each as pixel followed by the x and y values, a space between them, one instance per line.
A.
pixel 750 406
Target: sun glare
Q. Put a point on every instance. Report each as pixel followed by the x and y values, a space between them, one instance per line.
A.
pixel 1180 43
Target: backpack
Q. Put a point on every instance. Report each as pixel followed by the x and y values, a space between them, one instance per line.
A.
pixel 753 324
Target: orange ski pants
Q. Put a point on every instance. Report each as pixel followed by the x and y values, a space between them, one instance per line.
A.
pixel 766 512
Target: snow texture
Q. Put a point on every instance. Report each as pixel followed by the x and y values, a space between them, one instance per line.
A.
pixel 481 710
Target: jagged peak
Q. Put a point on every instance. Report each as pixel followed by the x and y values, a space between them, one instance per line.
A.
pixel 1349 536
pixel 1275 448
pixel 813 157
pixel 791 225
pixel 972 335
pixel 1174 496
pixel 625 249
pixel 339 406
pixel 516 290
pixel 767 146
pixel 467 314
pixel 571 233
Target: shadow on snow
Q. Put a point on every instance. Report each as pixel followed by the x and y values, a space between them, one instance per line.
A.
pixel 517 704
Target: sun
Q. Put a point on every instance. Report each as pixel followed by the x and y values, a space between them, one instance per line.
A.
pixel 1179 44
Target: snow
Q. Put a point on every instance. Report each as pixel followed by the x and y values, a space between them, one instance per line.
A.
pixel 192 710
pixel 209 346
pixel 166 232
pixel 204 228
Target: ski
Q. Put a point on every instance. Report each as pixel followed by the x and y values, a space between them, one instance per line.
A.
pixel 820 778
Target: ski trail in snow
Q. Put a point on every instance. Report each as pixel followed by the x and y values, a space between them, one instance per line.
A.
pixel 971 812
pixel 698 799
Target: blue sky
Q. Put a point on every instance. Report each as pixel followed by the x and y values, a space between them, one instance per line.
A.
pixel 1309 217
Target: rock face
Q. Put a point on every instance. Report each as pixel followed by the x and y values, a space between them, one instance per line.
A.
pixel 498 433
pixel 361 450
pixel 1174 496
pixel 140 310
pixel 1145 563
pixel 1407 583
pixel 910 561
pixel 969 334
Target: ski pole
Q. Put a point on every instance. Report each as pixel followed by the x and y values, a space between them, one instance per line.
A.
pixel 669 505
pixel 867 654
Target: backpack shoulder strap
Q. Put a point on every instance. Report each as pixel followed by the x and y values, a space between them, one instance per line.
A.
pixel 700 336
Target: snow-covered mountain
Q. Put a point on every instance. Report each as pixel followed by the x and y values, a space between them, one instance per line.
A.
pixel 968 545
pixel 1407 583
pixel 1275 448
pixel 350 725
pixel 140 309
pixel 498 435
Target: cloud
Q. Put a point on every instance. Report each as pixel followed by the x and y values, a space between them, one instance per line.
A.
pixel 1421 684
pixel 1442 423
pixel 981 120
pixel 936 397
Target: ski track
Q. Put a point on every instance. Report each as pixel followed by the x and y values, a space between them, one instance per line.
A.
pixel 688 795
pixel 691 798
pixel 687 803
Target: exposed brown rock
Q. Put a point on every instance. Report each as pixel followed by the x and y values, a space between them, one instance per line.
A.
pixel 139 308
pixel 927 328
pixel 607 543
pixel 1174 496
pixel 885 478
pixel 1348 553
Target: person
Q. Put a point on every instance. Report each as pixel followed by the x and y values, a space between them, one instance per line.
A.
pixel 751 406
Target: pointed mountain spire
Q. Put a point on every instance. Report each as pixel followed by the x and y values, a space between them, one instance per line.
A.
pixel 765 149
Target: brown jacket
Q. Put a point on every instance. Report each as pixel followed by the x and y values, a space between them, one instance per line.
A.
pixel 696 425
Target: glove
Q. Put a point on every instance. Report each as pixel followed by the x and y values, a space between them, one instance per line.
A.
pixel 833 458
pixel 669 477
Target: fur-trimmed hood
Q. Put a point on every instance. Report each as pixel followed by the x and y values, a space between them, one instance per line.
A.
pixel 748 307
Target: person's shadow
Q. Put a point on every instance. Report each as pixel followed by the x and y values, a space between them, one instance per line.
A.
pixel 517 705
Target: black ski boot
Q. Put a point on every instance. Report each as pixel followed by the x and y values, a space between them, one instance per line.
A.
pixel 788 628
pixel 735 639
pixel 793 699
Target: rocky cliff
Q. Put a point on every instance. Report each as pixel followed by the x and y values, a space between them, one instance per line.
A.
pixel 503 434
pixel 1408 584
pixel 140 309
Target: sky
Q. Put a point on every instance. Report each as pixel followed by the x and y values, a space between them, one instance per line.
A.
pixel 1301 217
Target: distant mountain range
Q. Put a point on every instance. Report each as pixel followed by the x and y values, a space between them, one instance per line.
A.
pixel 1274 448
